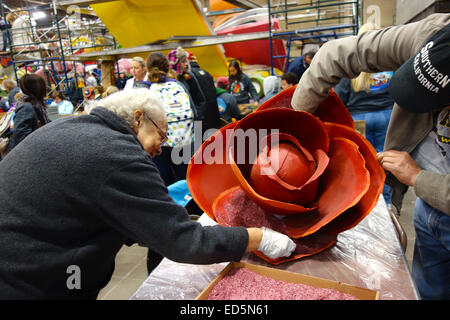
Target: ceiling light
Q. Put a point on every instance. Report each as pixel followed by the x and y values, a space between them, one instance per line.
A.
pixel 39 15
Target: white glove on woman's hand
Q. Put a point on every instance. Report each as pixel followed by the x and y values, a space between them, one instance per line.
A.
pixel 274 244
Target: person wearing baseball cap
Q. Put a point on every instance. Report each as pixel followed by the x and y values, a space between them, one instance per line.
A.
pixel 417 146
pixel 223 82
pixel 227 102
pixel 427 75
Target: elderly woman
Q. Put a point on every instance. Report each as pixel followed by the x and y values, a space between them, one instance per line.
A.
pixel 90 187
pixel 138 70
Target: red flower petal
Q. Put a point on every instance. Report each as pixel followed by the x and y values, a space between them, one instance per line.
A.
pixel 209 181
pixel 281 100
pixel 343 184
pixel 329 110
pixel 206 178
pixel 306 246
pixel 290 154
pixel 209 175
pixel 333 110
pixel 233 209
pixel 354 215
pixel 295 179
pixel 296 123
pixel 268 204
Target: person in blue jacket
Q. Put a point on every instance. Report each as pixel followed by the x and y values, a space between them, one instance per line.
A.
pixel 374 106
pixel 300 64
pixel 59 107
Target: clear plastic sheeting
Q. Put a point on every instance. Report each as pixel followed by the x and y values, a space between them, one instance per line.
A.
pixel 177 281
pixel 367 256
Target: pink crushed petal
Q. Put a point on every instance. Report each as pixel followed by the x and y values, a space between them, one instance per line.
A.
pixel 244 284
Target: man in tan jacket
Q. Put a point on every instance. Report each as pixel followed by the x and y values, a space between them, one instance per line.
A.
pixel 417 148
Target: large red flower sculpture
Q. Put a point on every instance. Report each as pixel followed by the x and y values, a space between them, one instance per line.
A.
pixel 311 176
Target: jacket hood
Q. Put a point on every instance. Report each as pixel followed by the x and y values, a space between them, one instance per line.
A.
pixel 271 85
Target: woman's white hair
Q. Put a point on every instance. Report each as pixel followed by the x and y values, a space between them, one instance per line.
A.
pixel 125 103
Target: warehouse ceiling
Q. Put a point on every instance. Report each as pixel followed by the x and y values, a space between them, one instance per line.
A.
pixel 39 6
pixel 15 4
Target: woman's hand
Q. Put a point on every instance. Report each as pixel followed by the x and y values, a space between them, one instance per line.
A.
pixel 273 244
pixel 400 164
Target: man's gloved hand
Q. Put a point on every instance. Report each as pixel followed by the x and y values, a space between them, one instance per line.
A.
pixel 274 244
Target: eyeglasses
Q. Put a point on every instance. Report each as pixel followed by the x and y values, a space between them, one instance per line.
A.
pixel 162 134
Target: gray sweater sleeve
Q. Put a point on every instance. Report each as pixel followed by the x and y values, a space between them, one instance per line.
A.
pixel 135 201
pixel 434 189
pixel 372 51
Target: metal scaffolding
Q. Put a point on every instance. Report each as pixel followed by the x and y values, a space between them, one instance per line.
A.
pixel 46 46
pixel 311 22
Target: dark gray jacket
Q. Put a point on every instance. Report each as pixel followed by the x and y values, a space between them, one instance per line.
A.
pixel 243 90
pixel 78 189
pixel 232 110
pixel 362 101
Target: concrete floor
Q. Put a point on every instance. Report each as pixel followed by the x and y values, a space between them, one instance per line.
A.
pixel 130 272
pixel 131 262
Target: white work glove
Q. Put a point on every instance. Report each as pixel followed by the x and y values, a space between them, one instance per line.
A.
pixel 274 244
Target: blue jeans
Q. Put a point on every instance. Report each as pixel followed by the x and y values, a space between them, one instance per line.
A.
pixel 431 260
pixel 376 126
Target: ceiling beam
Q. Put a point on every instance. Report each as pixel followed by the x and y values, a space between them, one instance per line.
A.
pixel 168 44
pixel 38 2
pixel 67 3
pixel 244 4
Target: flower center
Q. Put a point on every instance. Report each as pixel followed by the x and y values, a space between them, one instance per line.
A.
pixel 294 168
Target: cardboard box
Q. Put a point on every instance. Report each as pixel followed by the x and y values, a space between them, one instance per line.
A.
pixel 360 293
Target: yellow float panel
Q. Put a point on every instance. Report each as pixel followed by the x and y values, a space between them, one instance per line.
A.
pixel 136 22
